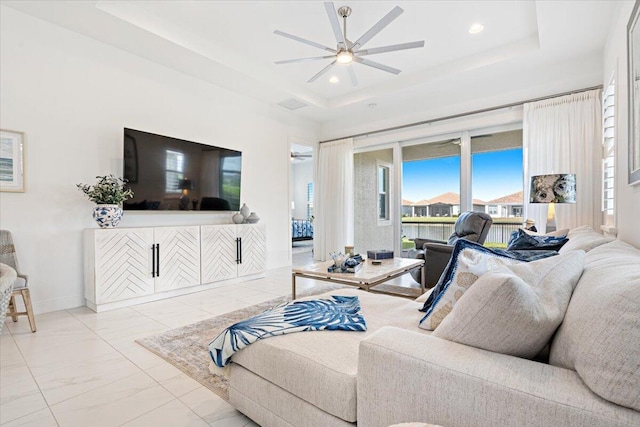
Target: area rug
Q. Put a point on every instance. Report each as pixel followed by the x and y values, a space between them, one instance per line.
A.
pixel 187 348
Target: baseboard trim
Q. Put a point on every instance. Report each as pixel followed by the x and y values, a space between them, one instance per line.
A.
pixel 41 307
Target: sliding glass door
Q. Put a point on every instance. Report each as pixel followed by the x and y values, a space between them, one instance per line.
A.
pixel 476 170
pixel 430 190
pixel 418 188
pixel 496 182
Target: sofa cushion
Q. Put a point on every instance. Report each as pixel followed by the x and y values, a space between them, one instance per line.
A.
pixel 600 335
pixel 515 309
pixel 584 239
pixel 320 367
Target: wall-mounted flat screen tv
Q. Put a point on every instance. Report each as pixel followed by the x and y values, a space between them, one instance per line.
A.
pixel 170 174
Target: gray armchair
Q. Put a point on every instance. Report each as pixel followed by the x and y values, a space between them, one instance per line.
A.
pixel 473 226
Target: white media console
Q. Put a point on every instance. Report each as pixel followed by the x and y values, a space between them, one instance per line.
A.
pixel 126 266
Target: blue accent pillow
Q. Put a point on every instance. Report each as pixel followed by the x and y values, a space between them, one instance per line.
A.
pixel 462 244
pixel 521 240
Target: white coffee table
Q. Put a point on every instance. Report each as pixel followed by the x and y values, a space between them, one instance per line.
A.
pixel 366 278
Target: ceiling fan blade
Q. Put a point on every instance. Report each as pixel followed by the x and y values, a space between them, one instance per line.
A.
pixel 335 24
pixel 305 41
pixel 390 48
pixel 386 20
pixel 376 65
pixel 314 58
pixel 324 70
pixel 352 75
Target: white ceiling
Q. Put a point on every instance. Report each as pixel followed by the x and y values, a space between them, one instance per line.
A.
pixel 231 43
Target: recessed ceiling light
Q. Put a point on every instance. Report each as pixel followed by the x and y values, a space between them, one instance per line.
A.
pixel 334 79
pixel 476 28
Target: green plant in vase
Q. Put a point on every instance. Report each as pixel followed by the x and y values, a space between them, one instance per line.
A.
pixel 108 193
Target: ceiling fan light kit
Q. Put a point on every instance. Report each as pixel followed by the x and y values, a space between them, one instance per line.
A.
pixel 345 57
pixel 348 52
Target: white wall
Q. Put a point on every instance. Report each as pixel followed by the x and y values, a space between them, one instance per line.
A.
pixel 615 60
pixel 368 234
pixel 301 175
pixel 73 96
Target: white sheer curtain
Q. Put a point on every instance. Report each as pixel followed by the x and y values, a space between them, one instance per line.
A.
pixel 333 224
pixel 563 135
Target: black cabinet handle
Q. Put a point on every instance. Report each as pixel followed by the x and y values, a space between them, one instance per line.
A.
pixel 157 259
pixel 237 250
pixel 153 260
pixel 240 240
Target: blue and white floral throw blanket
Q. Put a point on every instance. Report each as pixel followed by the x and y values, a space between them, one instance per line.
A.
pixel 335 313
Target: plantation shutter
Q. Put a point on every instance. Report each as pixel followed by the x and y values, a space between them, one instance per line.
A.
pixel 608 154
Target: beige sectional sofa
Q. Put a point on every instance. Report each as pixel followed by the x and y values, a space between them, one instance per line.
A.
pixel 396 372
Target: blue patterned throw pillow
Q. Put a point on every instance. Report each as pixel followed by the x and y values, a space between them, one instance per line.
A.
pixel 521 240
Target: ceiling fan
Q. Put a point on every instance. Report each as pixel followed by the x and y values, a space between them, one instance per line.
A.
pixel 346 51
pixel 300 156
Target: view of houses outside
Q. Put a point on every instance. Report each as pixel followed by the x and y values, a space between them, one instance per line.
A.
pixel 431 199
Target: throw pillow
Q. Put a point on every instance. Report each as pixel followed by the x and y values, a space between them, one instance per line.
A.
pixel 516 308
pixel 469 260
pixel 521 240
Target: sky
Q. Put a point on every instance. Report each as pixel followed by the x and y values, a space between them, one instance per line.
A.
pixel 494 174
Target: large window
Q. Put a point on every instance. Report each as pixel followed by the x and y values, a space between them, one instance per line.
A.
pixel 431 179
pixel 496 175
pixel 430 190
pixel 436 177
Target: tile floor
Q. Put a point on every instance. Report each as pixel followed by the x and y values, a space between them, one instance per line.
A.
pixel 84 369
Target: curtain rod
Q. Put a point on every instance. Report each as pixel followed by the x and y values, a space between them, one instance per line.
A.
pixel 469 113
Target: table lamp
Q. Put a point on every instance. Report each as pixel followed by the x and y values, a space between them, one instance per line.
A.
pixel 185 185
pixel 552 189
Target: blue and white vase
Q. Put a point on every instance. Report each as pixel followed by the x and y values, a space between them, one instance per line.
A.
pixel 107 216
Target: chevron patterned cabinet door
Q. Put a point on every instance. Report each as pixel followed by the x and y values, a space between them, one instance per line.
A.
pixel 122 264
pixel 179 257
pixel 219 252
pixel 254 249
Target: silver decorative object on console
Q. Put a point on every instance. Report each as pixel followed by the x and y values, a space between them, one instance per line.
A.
pixel 237 218
pixel 245 211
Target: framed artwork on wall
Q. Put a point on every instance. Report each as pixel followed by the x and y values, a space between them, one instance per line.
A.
pixel 633 58
pixel 11 161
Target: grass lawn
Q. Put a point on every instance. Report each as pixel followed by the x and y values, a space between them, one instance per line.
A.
pixel 452 219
